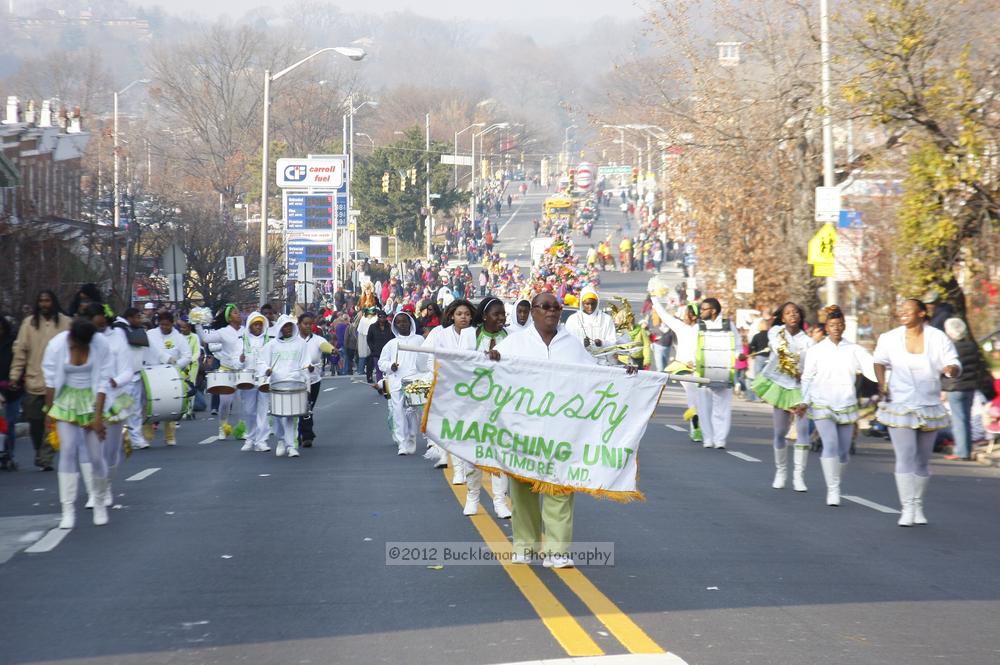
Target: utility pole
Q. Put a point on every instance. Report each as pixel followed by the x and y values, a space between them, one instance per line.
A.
pixel 828 175
pixel 427 181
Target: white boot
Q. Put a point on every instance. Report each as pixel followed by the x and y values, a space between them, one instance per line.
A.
pixel 904 485
pixel 474 483
pixel 87 473
pixel 68 483
pixel 919 489
pixel 442 460
pixel 800 456
pixel 831 474
pixel 780 468
pixel 500 497
pixel 100 508
pixel 109 497
pixel 458 471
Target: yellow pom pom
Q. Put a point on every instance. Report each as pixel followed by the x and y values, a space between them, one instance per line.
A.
pixel 227 429
pixel 689 414
pixel 53 438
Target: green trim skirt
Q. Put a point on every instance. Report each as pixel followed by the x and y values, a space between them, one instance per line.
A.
pixel 846 416
pixel 74 405
pixel 923 418
pixel 785 399
pixel 118 411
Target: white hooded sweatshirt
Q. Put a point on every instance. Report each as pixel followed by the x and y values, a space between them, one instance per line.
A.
pixel 286 357
pixel 408 363
pixel 597 326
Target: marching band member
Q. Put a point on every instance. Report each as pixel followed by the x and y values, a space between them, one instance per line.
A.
pixel 397 365
pixel 520 316
pixel 254 402
pixel 715 401
pixel 546 339
pixel 130 323
pixel 917 355
pixel 779 385
pixel 687 347
pixel 316 346
pixel 228 333
pixel 166 347
pixel 77 366
pixel 490 332
pixel 118 401
pixel 455 333
pixel 596 329
pixel 190 373
pixel 829 378
pixel 285 359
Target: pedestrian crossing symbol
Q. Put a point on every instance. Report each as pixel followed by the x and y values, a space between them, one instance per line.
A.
pixel 819 251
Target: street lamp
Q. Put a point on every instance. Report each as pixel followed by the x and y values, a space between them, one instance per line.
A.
pixel 117 193
pixel 565 143
pixel 351 52
pixel 472 199
pixel 370 139
pixel 637 149
pixel 457 134
pixel 621 138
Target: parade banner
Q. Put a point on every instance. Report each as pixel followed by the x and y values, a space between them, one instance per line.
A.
pixel 563 428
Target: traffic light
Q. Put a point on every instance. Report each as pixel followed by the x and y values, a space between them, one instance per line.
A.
pixel 402 182
pixel 635 176
pixel 413 176
pixel 385 182
pixel 572 180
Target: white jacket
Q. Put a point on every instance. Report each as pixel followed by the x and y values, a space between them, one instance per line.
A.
pixel 797 346
pixel 445 338
pixel 915 380
pixel 232 344
pixel 564 347
pixel 598 326
pixel 409 363
pixel 167 349
pixel 687 334
pixel 286 358
pixel 830 372
pixel 56 357
pixel 124 364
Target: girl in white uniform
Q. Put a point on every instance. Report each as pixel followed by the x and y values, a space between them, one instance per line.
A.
pixel 829 380
pixel 687 346
pixel 254 402
pixel 916 355
pixel 779 385
pixel 229 333
pixel 77 366
pixel 488 333
pixel 397 365
pixel 456 332
pixel 285 359
pixel 316 346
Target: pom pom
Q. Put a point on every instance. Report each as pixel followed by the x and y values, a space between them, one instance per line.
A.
pixel 200 316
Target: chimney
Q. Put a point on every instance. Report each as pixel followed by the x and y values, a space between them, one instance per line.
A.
pixel 29 115
pixel 13 111
pixel 46 118
pixel 74 122
pixel 63 120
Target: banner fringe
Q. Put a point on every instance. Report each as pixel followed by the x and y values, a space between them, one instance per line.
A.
pixel 430 398
pixel 542 487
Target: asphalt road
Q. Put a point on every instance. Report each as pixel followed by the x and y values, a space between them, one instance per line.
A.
pixel 219 556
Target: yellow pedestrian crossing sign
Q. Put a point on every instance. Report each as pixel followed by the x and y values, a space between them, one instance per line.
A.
pixel 819 251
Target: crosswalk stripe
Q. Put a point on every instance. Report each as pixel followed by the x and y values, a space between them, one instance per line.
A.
pixel 742 456
pixel 48 541
pixel 870 504
pixel 208 440
pixel 145 473
pixel 676 428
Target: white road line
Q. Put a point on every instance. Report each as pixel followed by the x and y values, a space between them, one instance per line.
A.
pixel 145 473
pixel 870 504
pixel 208 440
pixel 676 428
pixel 511 218
pixel 326 390
pixel 742 456
pixel 48 541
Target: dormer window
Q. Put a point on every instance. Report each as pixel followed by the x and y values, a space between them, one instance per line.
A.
pixel 729 53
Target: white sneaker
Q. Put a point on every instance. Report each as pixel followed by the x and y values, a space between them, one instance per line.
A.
pixel 558 561
pixel 721 446
pixel 262 447
pixel 293 452
pixel 279 451
pixel 222 434
pixel 248 446
pixel 517 557
pixel 140 446
pixel 708 444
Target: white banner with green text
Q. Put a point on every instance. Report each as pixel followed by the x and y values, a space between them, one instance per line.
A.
pixel 564 428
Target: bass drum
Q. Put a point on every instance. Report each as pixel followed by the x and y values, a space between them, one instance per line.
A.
pixel 221 383
pixel 289 398
pixel 166 393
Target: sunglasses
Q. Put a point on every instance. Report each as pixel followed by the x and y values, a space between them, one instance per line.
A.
pixel 548 308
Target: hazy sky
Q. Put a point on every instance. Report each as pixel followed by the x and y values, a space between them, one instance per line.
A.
pixel 475 9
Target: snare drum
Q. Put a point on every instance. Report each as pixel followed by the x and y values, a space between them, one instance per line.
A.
pixel 166 393
pixel 221 383
pixel 289 398
pixel 414 398
pixel 245 379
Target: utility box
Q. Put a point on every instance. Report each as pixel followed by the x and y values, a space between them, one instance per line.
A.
pixel 378 247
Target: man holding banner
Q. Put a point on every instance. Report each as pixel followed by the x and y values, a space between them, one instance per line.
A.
pixel 550 418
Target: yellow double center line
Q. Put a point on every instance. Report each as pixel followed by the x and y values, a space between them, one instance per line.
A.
pixel 564 627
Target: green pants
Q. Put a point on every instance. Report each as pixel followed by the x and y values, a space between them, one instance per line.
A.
pixel 532 511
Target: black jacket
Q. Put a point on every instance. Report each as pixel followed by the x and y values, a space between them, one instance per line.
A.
pixel 758 343
pixel 378 337
pixel 972 367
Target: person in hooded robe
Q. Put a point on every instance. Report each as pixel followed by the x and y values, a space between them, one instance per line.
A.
pixel 596 329
pixel 284 360
pixel 396 365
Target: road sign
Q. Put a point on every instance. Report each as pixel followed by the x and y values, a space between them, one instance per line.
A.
pixel 325 172
pixel 821 245
pixel 173 261
pixel 828 204
pixel 305 286
pixel 614 170
pixel 849 219
pixel 235 268
pixel 459 160
pixel 848 254
pixel 319 254
pixel 175 287
pixel 744 280
pixel 315 212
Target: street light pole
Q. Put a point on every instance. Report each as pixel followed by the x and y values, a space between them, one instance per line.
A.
pixel 498 125
pixel 116 193
pixel 457 134
pixel 352 53
pixel 828 175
